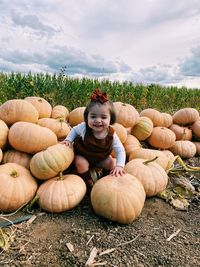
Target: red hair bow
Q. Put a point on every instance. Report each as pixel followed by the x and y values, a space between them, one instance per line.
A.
pixel 97 95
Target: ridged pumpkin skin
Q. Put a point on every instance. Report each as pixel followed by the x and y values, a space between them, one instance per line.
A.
pixel 3 133
pixel 196 128
pixel 161 138
pixel 18 157
pixel 152 176
pixel 126 114
pixel 182 133
pixel 30 138
pixel 185 116
pixel 43 106
pixel 154 115
pixel 15 110
pixel 185 149
pixel 120 131
pixel 131 144
pixel 17 187
pixel 76 116
pixel 197 144
pixel 119 199
pixel 58 126
pixel 143 129
pixel 167 119
pixel 48 163
pixel 60 111
pixel 61 193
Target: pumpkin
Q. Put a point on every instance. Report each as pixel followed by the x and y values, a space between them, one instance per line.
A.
pixel 143 129
pixel 152 176
pixel 119 199
pixel 126 114
pixel 18 157
pixel 49 162
pixel 182 133
pixel 60 111
pixel 196 128
pixel 167 119
pixel 58 126
pixel 162 138
pixel 30 138
pixel 43 107
pixel 197 144
pixel 1 155
pixel 131 144
pixel 185 149
pixel 149 154
pixel 120 131
pixel 76 116
pixel 18 110
pixel 185 116
pixel 17 187
pixel 61 193
pixel 3 133
pixel 154 115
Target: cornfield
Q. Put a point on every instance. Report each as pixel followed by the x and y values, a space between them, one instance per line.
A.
pixel 74 92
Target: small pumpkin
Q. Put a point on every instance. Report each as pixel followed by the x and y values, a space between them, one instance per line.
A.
pixel 154 115
pixel 185 149
pixel 18 157
pixel 143 129
pixel 76 116
pixel 167 119
pixel 60 111
pixel 196 128
pixel 119 199
pixel 181 132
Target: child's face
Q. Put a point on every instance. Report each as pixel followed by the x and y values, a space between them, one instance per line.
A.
pixel 99 118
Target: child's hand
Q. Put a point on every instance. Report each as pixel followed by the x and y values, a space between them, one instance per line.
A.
pixel 118 171
pixel 67 143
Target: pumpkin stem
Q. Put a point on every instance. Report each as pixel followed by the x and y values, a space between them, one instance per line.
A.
pixel 150 160
pixel 30 205
pixel 185 167
pixel 60 177
pixel 14 174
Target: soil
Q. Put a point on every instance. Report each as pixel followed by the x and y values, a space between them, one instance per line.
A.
pixel 161 236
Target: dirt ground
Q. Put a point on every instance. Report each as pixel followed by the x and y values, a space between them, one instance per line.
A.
pixel 161 236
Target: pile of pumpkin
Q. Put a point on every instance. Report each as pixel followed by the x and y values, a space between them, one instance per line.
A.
pixel 33 160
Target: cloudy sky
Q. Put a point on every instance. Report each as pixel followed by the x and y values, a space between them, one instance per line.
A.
pixel 147 41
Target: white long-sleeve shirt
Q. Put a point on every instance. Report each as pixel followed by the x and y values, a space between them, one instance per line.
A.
pixel 80 130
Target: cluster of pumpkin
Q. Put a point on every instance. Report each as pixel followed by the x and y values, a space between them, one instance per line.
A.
pixel 30 130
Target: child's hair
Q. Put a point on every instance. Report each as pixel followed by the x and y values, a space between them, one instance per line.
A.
pixel 98 98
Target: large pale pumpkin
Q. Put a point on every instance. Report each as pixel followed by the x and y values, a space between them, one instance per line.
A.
pixel 60 111
pixel 76 116
pixel 48 163
pixel 119 199
pixel 185 149
pixel 185 116
pixel 18 157
pixel 61 193
pixel 131 144
pixel 152 176
pixel 143 129
pixel 17 187
pixel 3 133
pixel 30 138
pixel 18 110
pixel 58 126
pixel 126 114
pixel 154 115
pixel 43 107
pixel 161 138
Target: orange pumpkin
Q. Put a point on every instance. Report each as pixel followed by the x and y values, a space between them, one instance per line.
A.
pixel 185 149
pixel 162 138
pixel 48 163
pixel 167 119
pixel 76 116
pixel 43 106
pixel 119 198
pixel 196 128
pixel 185 116
pixel 17 185
pixel 3 133
pixel 131 144
pixel 60 111
pixel 61 193
pixel 18 157
pixel 197 144
pixel 182 133
pixel 120 131
pixel 154 115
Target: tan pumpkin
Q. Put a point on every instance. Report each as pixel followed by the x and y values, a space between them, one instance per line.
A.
pixel 30 138
pixel 185 149
pixel 119 199
pixel 181 132
pixel 76 116
pixel 58 126
pixel 61 193
pixel 196 128
pixel 43 107
pixel 167 119
pixel 154 115
pixel 48 163
pixel 185 116
pixel 3 133
pixel 60 111
pixel 18 157
pixel 143 129
pixel 120 131
pixel 18 187
pixel 161 138
pixel 149 154
pixel 15 110
pixel 152 176
pixel 131 144
pixel 126 114
pixel 197 144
